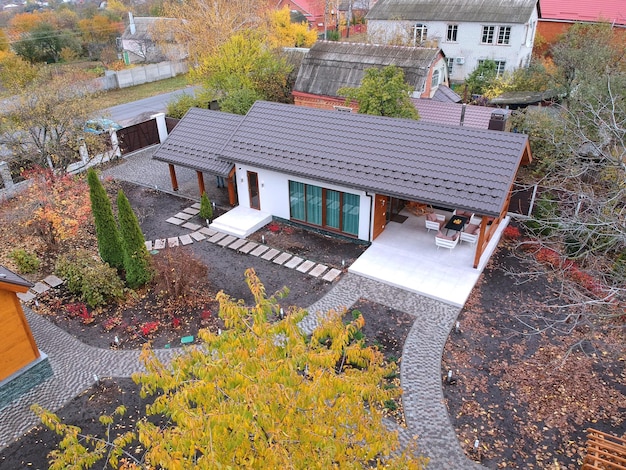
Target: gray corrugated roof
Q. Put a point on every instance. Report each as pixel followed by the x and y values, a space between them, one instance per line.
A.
pixel 195 140
pixel 446 95
pixel 10 277
pixel 330 65
pixel 486 11
pixel 443 165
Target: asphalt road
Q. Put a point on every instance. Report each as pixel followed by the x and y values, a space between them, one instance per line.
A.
pixel 137 111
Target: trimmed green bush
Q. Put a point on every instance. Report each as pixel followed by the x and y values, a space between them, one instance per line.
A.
pixel 206 208
pixel 27 262
pixel 94 281
pixel 136 257
pixel 109 241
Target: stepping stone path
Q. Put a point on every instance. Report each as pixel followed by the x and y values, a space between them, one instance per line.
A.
pixel 199 233
pixel 49 282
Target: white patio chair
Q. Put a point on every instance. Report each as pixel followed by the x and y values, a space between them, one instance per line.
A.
pixel 434 221
pixel 470 233
pixel 445 241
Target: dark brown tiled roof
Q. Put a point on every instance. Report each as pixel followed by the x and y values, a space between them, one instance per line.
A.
pixel 450 113
pixel 10 277
pixel 449 166
pixel 330 65
pixel 491 11
pixel 195 140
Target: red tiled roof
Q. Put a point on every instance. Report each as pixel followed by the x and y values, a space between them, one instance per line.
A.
pixel 613 11
pixel 314 8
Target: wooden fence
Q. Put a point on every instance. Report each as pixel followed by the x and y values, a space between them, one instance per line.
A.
pixel 604 452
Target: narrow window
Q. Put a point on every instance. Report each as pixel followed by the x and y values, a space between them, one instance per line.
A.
pixel 253 188
pixel 420 32
pixel 488 32
pixel 450 62
pixel 452 31
pixel 435 80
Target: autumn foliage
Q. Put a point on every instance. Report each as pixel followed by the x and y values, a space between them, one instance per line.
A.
pixel 259 395
pixel 60 206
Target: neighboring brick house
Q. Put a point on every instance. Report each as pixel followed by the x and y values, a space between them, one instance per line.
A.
pixel 557 16
pixel 312 10
pixel 329 66
pixel 468 31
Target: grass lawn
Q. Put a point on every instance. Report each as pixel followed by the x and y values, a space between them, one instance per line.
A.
pixel 126 95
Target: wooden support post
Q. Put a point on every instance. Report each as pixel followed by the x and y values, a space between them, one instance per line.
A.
pixel 173 177
pixel 200 182
pixel 232 193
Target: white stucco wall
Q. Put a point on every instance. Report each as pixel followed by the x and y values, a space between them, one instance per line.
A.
pixel 468 44
pixel 274 194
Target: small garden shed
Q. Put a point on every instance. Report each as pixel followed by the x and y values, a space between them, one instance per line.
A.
pixel 22 365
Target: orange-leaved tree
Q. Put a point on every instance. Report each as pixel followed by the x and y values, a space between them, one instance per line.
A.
pixel 262 395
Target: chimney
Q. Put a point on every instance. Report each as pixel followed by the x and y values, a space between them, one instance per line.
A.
pixel 498 120
pixel 131 23
pixel 463 114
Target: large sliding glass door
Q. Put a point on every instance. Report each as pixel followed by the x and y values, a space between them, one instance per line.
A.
pixel 326 208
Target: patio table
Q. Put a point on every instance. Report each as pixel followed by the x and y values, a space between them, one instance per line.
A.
pixel 456 223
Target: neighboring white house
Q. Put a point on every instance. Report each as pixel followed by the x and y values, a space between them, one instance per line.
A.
pixel 138 43
pixel 468 31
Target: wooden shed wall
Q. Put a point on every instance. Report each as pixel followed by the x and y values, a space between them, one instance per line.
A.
pixel 17 348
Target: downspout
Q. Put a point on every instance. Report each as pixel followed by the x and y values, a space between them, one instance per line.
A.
pixel 371 222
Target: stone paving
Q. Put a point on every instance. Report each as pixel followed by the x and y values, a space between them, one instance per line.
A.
pixel 76 365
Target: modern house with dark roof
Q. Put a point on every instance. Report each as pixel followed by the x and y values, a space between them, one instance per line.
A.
pixel 468 31
pixel 339 171
pixel 330 65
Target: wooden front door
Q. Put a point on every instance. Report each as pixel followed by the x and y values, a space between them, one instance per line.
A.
pixel 381 205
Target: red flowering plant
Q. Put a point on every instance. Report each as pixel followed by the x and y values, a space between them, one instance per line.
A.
pixel 273 227
pixel 205 316
pixel 149 328
pixel 79 310
pixel 511 233
pixel 176 322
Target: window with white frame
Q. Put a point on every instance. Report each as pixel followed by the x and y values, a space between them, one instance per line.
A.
pixel 500 35
pixel 450 63
pixel 434 82
pixel 420 32
pixel 504 35
pixel 488 33
pixel 453 29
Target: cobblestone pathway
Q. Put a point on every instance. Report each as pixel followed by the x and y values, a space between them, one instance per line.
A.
pixel 74 363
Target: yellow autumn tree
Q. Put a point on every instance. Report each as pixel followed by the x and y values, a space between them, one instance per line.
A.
pixel 205 26
pixel 284 33
pixel 261 395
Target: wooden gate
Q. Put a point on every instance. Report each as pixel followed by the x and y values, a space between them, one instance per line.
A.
pixel 138 136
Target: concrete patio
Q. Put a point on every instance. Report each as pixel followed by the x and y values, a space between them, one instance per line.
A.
pixel 405 255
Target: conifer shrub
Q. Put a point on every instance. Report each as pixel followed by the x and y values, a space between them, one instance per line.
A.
pixel 136 257
pixel 107 232
pixel 206 208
